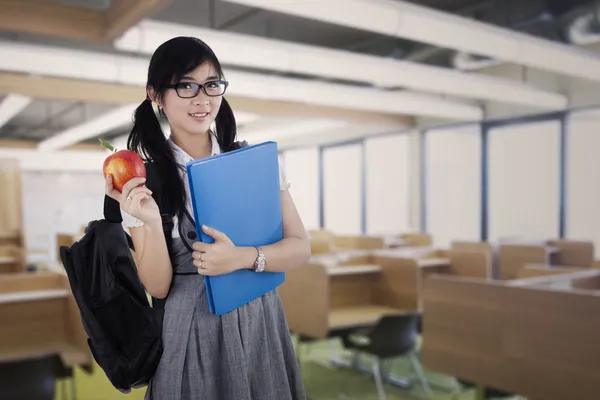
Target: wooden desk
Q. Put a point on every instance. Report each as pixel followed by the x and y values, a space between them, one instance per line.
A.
pixel 512 257
pixel 433 262
pixel 33 295
pixel 340 257
pixel 535 270
pixel 12 258
pixel 359 316
pixel 407 252
pixel 320 299
pixel 572 253
pixel 38 317
pixel 536 337
pixel 334 270
pixel 363 242
pixel 509 256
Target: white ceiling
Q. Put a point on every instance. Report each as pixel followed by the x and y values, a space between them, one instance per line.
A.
pixel 42 119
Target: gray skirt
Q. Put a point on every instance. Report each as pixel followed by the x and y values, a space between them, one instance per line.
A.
pixel 246 354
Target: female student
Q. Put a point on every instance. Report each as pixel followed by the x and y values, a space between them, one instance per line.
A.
pixel 246 354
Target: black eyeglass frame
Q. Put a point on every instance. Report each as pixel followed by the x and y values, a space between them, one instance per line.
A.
pixel 199 87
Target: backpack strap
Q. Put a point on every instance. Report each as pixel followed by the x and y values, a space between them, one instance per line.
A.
pixel 112 210
pixel 154 183
pixel 112 213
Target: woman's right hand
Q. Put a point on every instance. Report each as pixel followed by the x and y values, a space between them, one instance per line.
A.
pixel 135 199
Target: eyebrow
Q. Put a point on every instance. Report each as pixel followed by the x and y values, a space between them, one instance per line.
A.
pixel 210 78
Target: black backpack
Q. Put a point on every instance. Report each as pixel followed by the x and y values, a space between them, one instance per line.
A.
pixel 124 331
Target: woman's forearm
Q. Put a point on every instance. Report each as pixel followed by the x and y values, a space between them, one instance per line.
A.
pixel 154 264
pixel 285 255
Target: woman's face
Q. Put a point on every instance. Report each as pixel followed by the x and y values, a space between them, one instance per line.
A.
pixel 192 116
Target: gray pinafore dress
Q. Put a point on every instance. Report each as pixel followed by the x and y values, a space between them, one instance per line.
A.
pixel 246 354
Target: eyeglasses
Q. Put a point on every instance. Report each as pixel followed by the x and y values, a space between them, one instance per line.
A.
pixel 187 90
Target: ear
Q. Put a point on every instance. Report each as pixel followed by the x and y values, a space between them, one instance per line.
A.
pixel 152 95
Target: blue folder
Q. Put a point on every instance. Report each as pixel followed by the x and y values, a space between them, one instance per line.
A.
pixel 238 194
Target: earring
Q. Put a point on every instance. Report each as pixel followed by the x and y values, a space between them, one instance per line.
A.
pixel 161 112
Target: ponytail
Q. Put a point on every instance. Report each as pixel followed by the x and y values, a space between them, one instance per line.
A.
pixel 226 126
pixel 146 137
pixel 148 140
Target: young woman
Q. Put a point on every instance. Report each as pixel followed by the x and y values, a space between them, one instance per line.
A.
pixel 246 354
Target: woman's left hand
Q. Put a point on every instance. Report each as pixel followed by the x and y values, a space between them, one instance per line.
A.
pixel 218 258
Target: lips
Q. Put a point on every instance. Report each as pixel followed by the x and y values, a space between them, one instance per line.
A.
pixel 199 116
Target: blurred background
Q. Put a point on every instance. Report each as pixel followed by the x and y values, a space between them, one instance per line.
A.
pixel 455 138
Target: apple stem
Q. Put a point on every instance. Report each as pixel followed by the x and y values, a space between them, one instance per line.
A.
pixel 107 145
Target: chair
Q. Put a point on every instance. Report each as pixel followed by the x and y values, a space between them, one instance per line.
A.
pixel 63 373
pixel 393 336
pixel 486 392
pixel 31 379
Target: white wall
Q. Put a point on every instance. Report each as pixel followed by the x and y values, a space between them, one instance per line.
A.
pixel 58 202
pixel 68 160
pixel 583 177
pixel 523 181
pixel 301 167
pixel 453 184
pixel 342 196
pixel 388 184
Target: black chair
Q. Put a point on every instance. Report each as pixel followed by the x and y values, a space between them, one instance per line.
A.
pixel 65 373
pixel 31 379
pixel 488 392
pixel 393 336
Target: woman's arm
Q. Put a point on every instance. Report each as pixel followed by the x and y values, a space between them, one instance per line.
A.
pixel 154 265
pixel 151 253
pixel 223 256
pixel 291 252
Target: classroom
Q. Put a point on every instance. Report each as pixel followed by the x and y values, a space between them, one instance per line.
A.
pixel 439 154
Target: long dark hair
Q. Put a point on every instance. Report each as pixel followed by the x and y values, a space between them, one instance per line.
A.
pixel 169 64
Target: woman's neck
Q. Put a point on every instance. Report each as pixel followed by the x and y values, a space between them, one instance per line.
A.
pixel 197 146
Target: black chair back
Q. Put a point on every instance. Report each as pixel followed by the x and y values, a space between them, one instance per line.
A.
pixel 31 379
pixel 394 335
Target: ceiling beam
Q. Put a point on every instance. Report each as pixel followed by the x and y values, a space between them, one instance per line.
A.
pixel 51 88
pixel 422 24
pixel 239 50
pixel 124 14
pixel 46 18
pixel 121 69
pixel 72 22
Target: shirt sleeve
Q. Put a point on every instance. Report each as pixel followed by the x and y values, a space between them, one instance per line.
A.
pixel 129 221
pixel 284 184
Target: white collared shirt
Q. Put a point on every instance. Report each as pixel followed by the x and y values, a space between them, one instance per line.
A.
pixel 182 158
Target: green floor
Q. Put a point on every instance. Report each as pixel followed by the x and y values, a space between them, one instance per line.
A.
pixel 322 381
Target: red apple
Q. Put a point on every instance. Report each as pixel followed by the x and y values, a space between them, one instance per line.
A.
pixel 122 165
